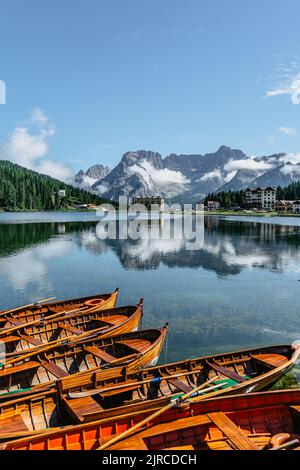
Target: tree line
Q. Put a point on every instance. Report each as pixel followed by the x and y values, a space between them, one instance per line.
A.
pixel 23 189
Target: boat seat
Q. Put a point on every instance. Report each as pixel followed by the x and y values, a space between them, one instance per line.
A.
pixel 271 361
pixel 227 372
pixel 54 369
pixel 183 387
pixel 15 322
pixel 183 447
pixel 12 423
pixel 20 368
pixel 232 431
pixel 72 329
pixel 112 319
pixel 82 409
pixel 137 443
pixel 31 340
pixel 103 355
pixel 137 345
pixel 10 339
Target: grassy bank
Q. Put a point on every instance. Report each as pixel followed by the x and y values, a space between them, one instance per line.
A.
pixel 252 214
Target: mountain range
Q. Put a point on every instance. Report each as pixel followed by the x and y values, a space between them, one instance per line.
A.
pixel 188 178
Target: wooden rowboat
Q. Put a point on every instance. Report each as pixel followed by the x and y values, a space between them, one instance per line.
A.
pixel 137 350
pixel 10 318
pixel 34 335
pixel 255 421
pixel 113 393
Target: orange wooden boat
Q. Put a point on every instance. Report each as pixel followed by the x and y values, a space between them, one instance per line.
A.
pixel 117 392
pixel 40 311
pixel 137 350
pixel 33 335
pixel 265 420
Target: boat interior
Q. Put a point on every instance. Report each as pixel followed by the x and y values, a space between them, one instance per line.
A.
pixel 26 337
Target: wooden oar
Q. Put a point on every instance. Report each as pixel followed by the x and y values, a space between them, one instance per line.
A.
pixel 286 445
pixel 171 405
pixel 97 391
pixel 34 304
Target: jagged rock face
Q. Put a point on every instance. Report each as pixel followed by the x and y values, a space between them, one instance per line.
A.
pixel 188 178
pixel 97 172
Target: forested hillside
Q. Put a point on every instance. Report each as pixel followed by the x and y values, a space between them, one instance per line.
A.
pixel 22 189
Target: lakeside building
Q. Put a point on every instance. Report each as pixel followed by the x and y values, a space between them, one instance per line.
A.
pixel 261 198
pixel 212 205
pixel 149 201
pixel 288 206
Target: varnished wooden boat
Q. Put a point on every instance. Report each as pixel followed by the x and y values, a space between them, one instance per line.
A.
pixel 117 392
pixel 137 350
pixel 257 421
pixel 32 335
pixel 9 318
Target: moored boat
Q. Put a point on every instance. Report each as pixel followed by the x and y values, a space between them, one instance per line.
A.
pixel 33 335
pixel 257 421
pixel 116 392
pixel 73 359
pixel 41 310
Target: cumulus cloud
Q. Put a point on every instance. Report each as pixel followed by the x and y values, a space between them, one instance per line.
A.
pixel 28 146
pixel 169 181
pixel 288 130
pixel 211 175
pixel 290 87
pixel 247 164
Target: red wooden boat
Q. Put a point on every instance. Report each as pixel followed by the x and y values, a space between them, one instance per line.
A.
pixel 256 421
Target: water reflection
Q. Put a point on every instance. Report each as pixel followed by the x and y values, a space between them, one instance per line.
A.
pixel 227 246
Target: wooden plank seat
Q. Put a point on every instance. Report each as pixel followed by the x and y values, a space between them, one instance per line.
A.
pixel 12 423
pixel 227 372
pixel 103 355
pixel 54 369
pixel 71 329
pixel 271 361
pixel 136 442
pixel 10 339
pixel 183 387
pixel 232 431
pixel 82 409
pixel 137 345
pixel 112 319
pixel 15 322
pixel 20 368
pixel 31 340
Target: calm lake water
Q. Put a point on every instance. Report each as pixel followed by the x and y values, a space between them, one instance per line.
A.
pixel 240 289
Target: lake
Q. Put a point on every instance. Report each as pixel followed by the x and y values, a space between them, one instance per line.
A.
pixel 240 288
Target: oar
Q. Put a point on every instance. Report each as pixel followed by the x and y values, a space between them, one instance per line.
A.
pixel 171 405
pixel 97 391
pixel 286 445
pixel 34 304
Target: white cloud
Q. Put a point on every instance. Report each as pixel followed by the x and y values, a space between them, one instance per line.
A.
pixel 290 169
pixel 247 164
pixel 38 117
pixel 168 181
pixel 28 147
pixel 212 174
pixel 288 130
pixel 290 158
pixel 290 87
pixel 230 175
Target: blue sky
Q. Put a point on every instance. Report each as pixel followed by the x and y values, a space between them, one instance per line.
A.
pixel 89 80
